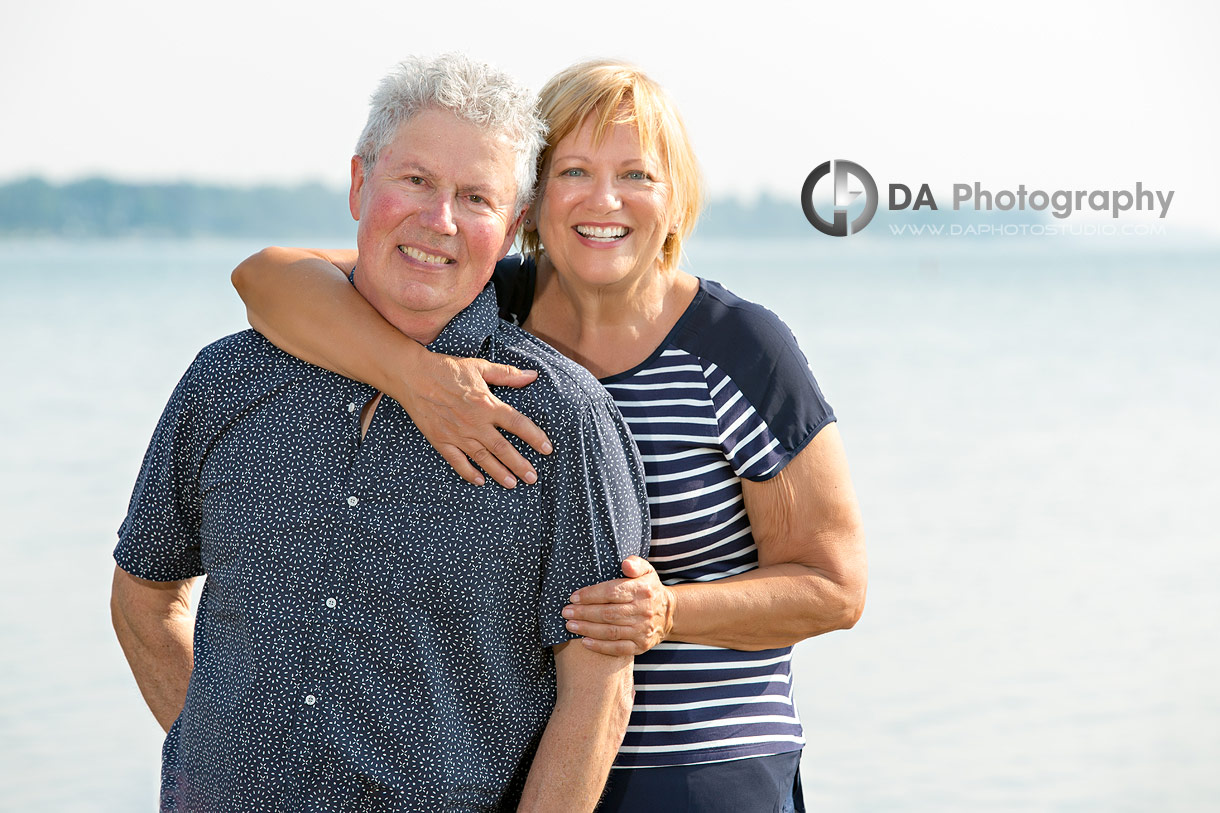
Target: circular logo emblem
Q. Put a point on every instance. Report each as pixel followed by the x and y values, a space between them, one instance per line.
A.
pixel 842 198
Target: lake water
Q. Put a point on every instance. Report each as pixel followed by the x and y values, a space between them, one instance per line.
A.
pixel 1033 436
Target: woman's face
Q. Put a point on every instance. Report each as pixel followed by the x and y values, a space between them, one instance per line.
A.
pixel 605 211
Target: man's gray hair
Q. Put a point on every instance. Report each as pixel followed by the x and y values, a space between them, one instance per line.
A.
pixel 474 92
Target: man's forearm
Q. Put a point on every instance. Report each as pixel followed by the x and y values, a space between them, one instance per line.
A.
pixel 583 735
pixel 155 626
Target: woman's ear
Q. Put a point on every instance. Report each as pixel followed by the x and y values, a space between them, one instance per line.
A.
pixel 530 223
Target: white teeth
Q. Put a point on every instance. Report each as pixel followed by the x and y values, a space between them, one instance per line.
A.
pixel 602 232
pixel 416 254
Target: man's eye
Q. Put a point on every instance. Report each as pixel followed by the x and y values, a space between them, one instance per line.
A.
pixel 476 198
pixel 415 179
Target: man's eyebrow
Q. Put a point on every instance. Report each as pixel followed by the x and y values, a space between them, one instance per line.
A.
pixel 412 168
pixel 482 190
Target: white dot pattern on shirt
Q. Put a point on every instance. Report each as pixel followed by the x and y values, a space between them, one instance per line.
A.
pixel 432 668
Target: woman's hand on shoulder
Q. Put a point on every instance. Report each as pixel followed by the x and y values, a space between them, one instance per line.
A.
pixel 451 402
pixel 623 616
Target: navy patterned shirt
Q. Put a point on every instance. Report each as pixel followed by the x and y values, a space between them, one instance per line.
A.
pixel 374 632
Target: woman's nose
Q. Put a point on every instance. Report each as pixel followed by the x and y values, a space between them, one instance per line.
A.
pixel 606 195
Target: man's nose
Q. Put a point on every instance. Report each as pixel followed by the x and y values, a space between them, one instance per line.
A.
pixel 437 215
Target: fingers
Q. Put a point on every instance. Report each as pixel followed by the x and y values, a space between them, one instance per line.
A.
pixel 617 648
pixel 495 470
pixel 506 375
pixel 636 566
pixel 453 407
pixel 509 419
pixel 455 458
pixel 622 614
pixel 615 591
pixel 609 639
pixel 514 423
pixel 499 454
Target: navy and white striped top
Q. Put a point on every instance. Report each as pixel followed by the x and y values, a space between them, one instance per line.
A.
pixel 727 395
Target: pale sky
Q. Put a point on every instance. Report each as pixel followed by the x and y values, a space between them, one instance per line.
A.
pixel 1052 95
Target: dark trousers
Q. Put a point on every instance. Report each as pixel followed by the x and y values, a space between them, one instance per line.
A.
pixel 755 785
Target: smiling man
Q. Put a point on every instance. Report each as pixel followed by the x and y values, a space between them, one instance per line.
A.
pixel 374 633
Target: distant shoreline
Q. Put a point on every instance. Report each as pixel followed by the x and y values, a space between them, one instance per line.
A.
pixel 104 208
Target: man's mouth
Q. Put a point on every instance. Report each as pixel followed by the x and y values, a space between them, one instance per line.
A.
pixel 603 234
pixel 424 257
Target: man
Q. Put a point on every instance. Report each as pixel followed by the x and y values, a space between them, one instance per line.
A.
pixel 374 633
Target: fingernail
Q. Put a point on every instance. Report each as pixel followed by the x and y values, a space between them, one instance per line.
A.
pixel 531 477
pixel 568 612
pixel 509 482
pixel 480 481
pixel 574 598
pixel 573 626
pixel 547 448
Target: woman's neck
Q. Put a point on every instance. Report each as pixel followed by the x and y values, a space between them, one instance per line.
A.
pixel 608 328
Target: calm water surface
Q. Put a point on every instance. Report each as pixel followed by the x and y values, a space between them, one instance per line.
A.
pixel 1032 434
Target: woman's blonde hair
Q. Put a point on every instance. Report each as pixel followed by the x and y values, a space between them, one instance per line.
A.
pixel 616 93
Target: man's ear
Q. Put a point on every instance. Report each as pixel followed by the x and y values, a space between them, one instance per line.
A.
pixel 353 195
pixel 512 233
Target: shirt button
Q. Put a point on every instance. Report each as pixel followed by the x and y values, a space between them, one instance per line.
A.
pixel 353 501
pixel 310 700
pixel 330 602
pixel 351 407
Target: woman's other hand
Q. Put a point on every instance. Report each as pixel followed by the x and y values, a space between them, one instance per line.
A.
pixel 623 616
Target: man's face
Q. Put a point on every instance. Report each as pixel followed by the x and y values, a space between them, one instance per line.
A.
pixel 435 212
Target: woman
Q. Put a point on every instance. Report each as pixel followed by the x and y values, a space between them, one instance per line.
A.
pixel 757 543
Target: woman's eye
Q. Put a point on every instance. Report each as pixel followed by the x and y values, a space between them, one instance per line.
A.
pixel 572 173
pixel 638 175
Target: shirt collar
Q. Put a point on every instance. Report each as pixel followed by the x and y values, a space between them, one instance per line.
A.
pixel 468 331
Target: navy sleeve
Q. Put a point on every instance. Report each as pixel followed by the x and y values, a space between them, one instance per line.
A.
pixel 159 538
pixel 768 404
pixel 595 511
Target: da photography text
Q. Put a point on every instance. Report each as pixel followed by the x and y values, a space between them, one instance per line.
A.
pixel 1062 203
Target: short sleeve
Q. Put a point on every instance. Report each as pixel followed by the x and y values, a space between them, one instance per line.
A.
pixel 768 405
pixel 595 511
pixel 159 538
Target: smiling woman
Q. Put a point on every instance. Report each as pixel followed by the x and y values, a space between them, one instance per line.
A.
pixel 756 533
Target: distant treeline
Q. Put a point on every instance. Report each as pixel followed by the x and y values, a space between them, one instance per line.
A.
pixel 99 207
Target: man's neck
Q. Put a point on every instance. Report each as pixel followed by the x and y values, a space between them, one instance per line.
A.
pixel 422 327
